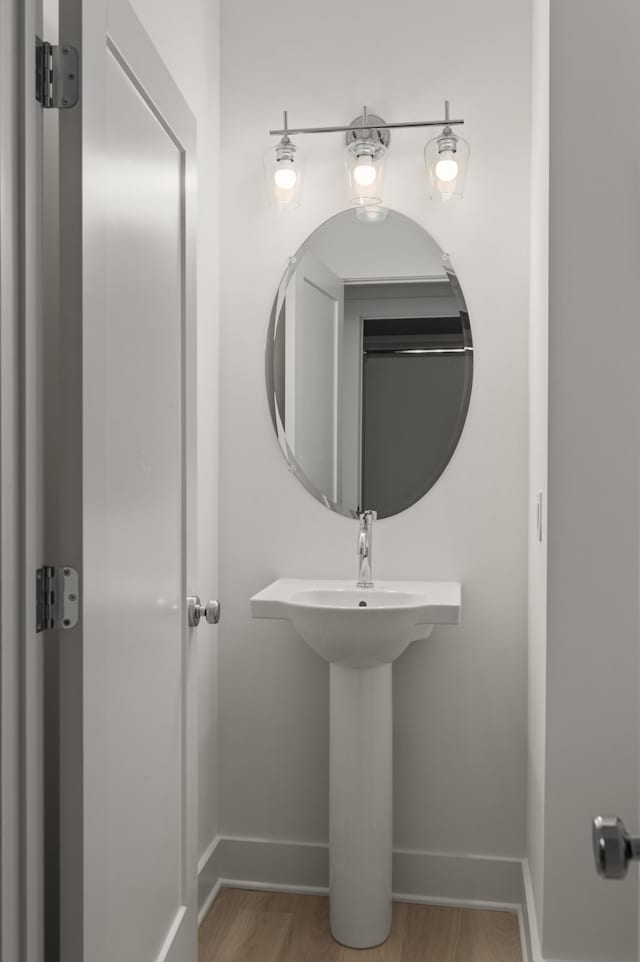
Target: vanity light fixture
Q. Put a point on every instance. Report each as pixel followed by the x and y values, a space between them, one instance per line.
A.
pixel 368 138
pixel 283 170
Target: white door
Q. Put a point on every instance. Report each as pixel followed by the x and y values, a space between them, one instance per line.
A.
pixel 126 497
pixel 314 319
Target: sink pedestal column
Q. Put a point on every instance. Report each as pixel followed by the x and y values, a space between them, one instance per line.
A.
pixel 360 804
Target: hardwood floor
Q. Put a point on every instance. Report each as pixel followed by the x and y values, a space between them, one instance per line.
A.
pixel 244 926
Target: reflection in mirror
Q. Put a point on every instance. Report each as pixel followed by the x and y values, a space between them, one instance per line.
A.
pixel 369 363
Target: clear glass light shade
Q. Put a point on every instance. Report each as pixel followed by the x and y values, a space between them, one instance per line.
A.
pixel 365 162
pixel 284 171
pixel 446 159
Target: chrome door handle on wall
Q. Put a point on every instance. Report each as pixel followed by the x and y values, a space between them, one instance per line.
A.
pixel 210 612
pixel 613 847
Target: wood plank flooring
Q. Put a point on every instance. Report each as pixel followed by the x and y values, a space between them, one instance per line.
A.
pixel 244 926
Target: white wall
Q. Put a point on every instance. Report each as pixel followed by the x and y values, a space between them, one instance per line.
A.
pixel 460 744
pixel 594 478
pixel 186 35
pixel 538 440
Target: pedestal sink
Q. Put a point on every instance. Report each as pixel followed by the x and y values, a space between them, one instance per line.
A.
pixel 360 631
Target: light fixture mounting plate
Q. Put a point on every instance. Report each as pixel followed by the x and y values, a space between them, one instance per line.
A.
pixel 357 130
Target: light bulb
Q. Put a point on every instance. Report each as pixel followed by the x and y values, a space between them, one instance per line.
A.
pixel 364 173
pixel 447 166
pixel 285 176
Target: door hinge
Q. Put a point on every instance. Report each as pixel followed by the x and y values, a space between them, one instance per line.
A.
pixel 57 598
pixel 57 78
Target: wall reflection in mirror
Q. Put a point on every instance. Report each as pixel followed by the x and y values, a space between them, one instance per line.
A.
pixel 369 363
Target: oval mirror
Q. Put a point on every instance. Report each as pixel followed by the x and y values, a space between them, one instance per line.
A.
pixel 369 363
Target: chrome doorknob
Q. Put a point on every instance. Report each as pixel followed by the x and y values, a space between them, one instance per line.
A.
pixel 196 610
pixel 613 847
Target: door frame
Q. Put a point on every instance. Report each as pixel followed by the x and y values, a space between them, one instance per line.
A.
pixel 10 589
pixel 21 733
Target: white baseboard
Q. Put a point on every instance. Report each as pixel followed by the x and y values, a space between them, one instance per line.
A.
pixel 459 879
pixel 530 921
pixel 207 855
pixel 525 949
pixel 209 900
pixel 431 877
pixel 209 877
pixel 234 883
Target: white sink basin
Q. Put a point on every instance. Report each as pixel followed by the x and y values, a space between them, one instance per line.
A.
pixel 360 627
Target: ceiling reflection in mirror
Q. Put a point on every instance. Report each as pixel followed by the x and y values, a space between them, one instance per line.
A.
pixel 369 363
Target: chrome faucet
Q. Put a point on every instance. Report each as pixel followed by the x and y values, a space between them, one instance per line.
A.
pixel 365 538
